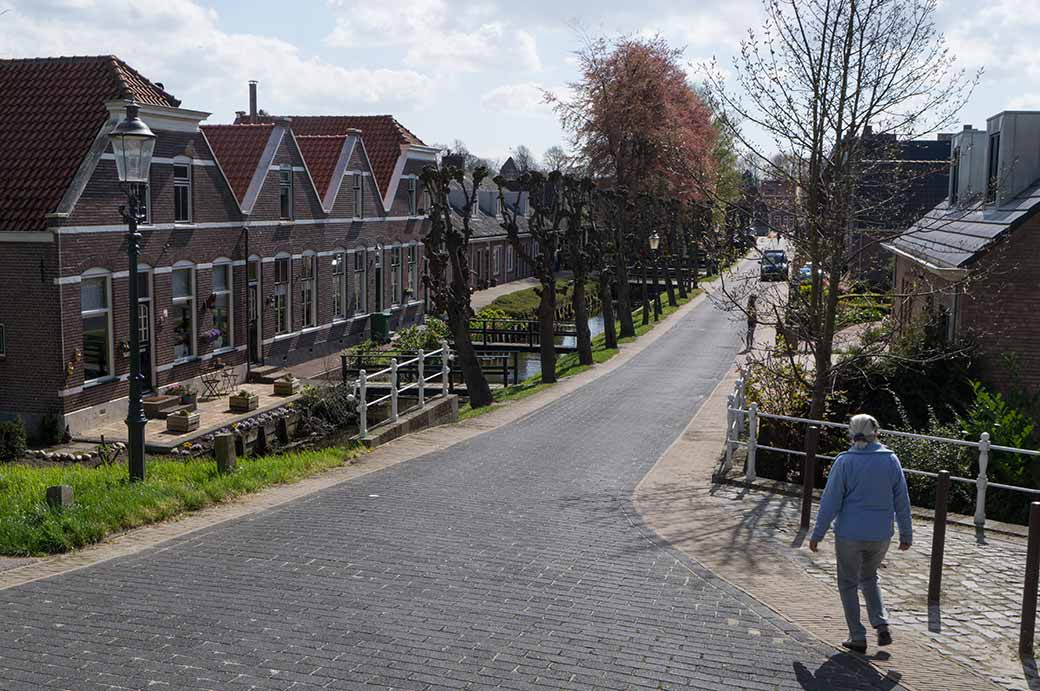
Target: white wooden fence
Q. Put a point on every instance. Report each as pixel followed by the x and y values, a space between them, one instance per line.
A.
pixel 391 372
pixel 742 426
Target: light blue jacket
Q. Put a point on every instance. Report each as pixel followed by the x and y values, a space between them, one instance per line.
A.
pixel 865 488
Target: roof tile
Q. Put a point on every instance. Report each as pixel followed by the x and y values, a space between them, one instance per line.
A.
pixel 321 153
pixel 238 149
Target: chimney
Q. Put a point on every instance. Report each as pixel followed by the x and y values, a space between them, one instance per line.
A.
pixel 868 130
pixel 944 137
pixel 252 100
pixel 240 116
pixel 967 128
pixel 161 86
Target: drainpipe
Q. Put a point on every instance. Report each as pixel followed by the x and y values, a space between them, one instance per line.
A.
pixel 245 304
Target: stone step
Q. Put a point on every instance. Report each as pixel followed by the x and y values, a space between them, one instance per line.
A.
pixel 157 407
pixel 266 374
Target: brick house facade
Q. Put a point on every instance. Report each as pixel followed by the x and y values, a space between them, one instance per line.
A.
pixel 264 242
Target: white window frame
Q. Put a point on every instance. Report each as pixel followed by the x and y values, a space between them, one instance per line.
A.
pixel 413 270
pixel 359 282
pixel 282 171
pixel 359 195
pixel 396 292
pixel 181 183
pixel 3 341
pixel 413 197
pixel 107 311
pixel 339 283
pixel 229 290
pixel 285 295
pixel 191 300
pixel 509 259
pixel 308 280
pixel 496 255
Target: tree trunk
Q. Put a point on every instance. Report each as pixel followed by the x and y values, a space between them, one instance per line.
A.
pixel 607 300
pixel 581 321
pixel 668 285
pixel 680 267
pixel 476 383
pixel 546 321
pixel 646 294
pixel 624 298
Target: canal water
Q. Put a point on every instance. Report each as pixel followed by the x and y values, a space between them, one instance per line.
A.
pixel 530 364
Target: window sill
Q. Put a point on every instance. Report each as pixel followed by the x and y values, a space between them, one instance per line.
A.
pixel 412 303
pixel 309 329
pixel 98 382
pixel 282 337
pixel 185 360
pixel 184 224
pixel 223 351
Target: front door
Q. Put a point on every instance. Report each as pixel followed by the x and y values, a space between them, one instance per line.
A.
pixel 144 329
pixel 379 280
pixel 253 306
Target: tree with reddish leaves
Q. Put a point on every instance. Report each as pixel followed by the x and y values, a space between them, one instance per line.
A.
pixel 634 119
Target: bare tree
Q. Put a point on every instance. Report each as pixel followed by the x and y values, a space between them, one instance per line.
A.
pixel 819 75
pixel 523 158
pixel 577 200
pixel 555 158
pixel 448 279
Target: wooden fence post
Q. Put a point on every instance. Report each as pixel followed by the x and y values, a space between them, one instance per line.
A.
pixel 942 495
pixel 812 440
pixel 1028 629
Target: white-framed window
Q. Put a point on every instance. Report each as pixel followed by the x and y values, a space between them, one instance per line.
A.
pixel 95 306
pixel 497 254
pixel 339 284
pixel 183 294
pixel 395 275
pixel 307 303
pixel 359 199
pixel 282 281
pixel 3 341
pixel 222 335
pixel 509 259
pixel 360 285
pixel 182 192
pixel 285 193
pixel 413 271
pixel 413 196
pixel 143 192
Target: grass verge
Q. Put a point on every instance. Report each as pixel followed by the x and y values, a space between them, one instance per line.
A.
pixel 523 304
pixel 106 502
pixel 568 365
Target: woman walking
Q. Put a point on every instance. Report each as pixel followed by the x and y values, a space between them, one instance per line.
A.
pixel 865 488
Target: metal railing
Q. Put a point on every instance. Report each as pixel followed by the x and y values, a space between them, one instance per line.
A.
pixel 740 417
pixel 393 380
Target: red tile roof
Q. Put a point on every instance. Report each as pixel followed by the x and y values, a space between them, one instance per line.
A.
pixel 238 149
pixel 382 134
pixel 51 109
pixel 321 152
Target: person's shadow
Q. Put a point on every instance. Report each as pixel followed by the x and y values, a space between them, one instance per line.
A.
pixel 844 671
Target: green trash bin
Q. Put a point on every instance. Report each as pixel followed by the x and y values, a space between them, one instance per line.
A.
pixel 380 323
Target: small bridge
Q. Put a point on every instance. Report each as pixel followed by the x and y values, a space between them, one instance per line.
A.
pixel 519 335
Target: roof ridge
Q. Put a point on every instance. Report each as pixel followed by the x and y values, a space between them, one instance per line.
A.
pixel 226 125
pixel 120 65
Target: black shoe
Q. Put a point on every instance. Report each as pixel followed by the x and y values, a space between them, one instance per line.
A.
pixel 883 636
pixel 855 646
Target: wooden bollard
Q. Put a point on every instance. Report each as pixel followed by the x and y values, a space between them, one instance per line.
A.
pixel 59 496
pixel 224 450
pixel 942 494
pixel 812 440
pixel 240 445
pixel 281 430
pixel 260 445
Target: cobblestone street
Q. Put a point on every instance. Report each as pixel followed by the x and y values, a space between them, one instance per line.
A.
pixel 514 559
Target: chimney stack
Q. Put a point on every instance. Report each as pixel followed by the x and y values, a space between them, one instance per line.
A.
pixel 453 161
pixel 252 101
pixel 967 128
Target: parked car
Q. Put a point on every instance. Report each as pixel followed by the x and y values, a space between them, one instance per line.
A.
pixel 760 231
pixel 773 265
pixel 805 274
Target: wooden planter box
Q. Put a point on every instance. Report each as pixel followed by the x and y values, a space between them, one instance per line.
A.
pixel 283 387
pixel 182 423
pixel 155 407
pixel 243 404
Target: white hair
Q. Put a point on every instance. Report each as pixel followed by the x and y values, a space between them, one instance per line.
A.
pixel 863 429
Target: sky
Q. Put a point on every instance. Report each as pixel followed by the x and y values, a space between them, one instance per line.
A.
pixel 448 70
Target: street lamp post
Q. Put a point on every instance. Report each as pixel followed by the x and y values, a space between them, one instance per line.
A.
pixel 655 242
pixel 132 145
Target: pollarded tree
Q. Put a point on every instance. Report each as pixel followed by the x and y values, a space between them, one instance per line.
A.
pixel 577 211
pixel 448 279
pixel 544 227
pixel 602 248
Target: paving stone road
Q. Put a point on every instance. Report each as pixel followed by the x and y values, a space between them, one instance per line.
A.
pixel 511 560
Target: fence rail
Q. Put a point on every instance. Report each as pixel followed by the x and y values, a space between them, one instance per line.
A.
pixel 441 358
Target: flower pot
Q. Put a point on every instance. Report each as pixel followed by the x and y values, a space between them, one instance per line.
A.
pixel 284 387
pixel 182 423
pixel 191 399
pixel 243 404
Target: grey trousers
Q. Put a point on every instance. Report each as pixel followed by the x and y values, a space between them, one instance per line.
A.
pixel 858 562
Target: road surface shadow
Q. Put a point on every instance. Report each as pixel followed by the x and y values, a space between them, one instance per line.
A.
pixel 844 671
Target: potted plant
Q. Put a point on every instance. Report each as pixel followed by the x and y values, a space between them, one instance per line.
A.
pixel 182 421
pixel 243 401
pixel 186 392
pixel 287 385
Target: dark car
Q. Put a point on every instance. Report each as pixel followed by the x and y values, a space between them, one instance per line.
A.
pixel 774 265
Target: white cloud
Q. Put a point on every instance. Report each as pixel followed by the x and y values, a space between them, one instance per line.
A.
pixel 180 43
pixel 525 98
pixel 428 29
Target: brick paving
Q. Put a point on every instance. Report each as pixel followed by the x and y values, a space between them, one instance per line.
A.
pixel 750 537
pixel 511 559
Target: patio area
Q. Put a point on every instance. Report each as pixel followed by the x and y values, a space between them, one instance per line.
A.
pixel 214 414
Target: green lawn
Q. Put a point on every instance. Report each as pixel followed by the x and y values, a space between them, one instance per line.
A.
pixel 523 304
pixel 106 502
pixel 568 365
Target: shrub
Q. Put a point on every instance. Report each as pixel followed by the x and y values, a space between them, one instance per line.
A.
pixel 52 430
pixel 12 439
pixel 325 409
pixel 427 336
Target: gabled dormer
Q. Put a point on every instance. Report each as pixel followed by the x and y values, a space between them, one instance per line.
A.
pixel 1012 154
pixel 967 167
